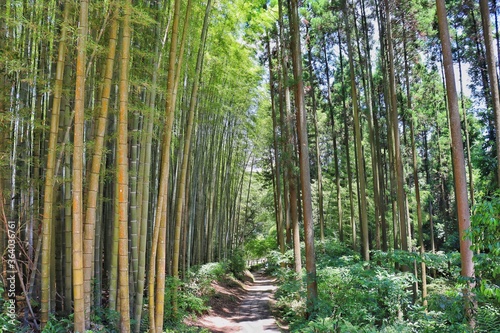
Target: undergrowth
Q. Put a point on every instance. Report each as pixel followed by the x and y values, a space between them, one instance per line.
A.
pixel 193 296
pixel 356 297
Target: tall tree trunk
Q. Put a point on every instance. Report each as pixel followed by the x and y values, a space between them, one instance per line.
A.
pixel 157 260
pixel 48 204
pixel 359 147
pixel 277 162
pixel 492 74
pixel 316 135
pixel 312 291
pixel 466 127
pixel 94 174
pixel 367 78
pixel 287 125
pixel 146 160
pixel 78 151
pixel 348 154
pixel 395 129
pixel 122 172
pixel 68 285
pixel 458 163
pixel 185 155
pixel 416 181
pixel 334 140
pixel 419 215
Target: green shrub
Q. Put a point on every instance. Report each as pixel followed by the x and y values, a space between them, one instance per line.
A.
pixel 105 320
pixel 258 247
pixel 485 234
pixel 488 319
pixel 276 262
pixel 237 263
pixel 290 296
pixel 199 278
pixel 59 325
pixel 8 321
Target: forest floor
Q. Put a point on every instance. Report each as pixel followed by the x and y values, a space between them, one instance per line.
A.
pixel 241 307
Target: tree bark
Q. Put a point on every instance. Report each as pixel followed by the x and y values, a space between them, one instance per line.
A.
pixel 334 140
pixel 492 74
pixel 359 147
pixel 395 130
pixel 316 136
pixel 458 163
pixel 312 291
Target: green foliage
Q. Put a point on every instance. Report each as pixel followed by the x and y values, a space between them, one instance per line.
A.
pixel 190 300
pixel 7 322
pixel 290 295
pixel 237 263
pixel 488 319
pixel 193 293
pixel 485 235
pixel 357 297
pixel 443 263
pixel 485 226
pixel 181 327
pixel 61 325
pixel 200 275
pixel 276 261
pixel 260 246
pixel 105 320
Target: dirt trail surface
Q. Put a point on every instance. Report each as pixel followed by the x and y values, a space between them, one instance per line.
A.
pixel 252 315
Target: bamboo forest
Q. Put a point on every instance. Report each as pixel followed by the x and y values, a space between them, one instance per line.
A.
pixel 250 166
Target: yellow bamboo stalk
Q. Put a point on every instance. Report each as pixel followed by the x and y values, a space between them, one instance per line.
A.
pixel 48 203
pixel 78 292
pixel 122 174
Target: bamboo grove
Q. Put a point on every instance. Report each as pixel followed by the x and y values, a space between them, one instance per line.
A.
pixel 125 133
pixel 130 132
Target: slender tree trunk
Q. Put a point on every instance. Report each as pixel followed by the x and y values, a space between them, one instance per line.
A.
pixel 94 174
pixel 312 291
pixel 458 163
pixel 368 92
pixel 185 156
pixel 466 128
pixel 419 215
pixel 287 125
pixel 492 74
pixel 157 271
pixel 48 214
pixel 277 162
pixel 334 140
pixel 146 160
pixel 395 130
pixel 348 154
pixel 122 172
pixel 359 147
pixel 316 135
pixel 78 151
pixel 417 185
pixel 68 285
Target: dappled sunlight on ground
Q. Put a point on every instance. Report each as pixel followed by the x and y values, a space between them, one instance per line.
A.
pixel 242 309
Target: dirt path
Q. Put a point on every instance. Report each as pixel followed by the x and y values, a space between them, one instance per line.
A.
pixel 251 316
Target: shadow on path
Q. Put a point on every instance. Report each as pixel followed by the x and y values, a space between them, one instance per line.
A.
pixel 253 315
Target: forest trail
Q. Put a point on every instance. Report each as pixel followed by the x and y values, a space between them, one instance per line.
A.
pixel 252 315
